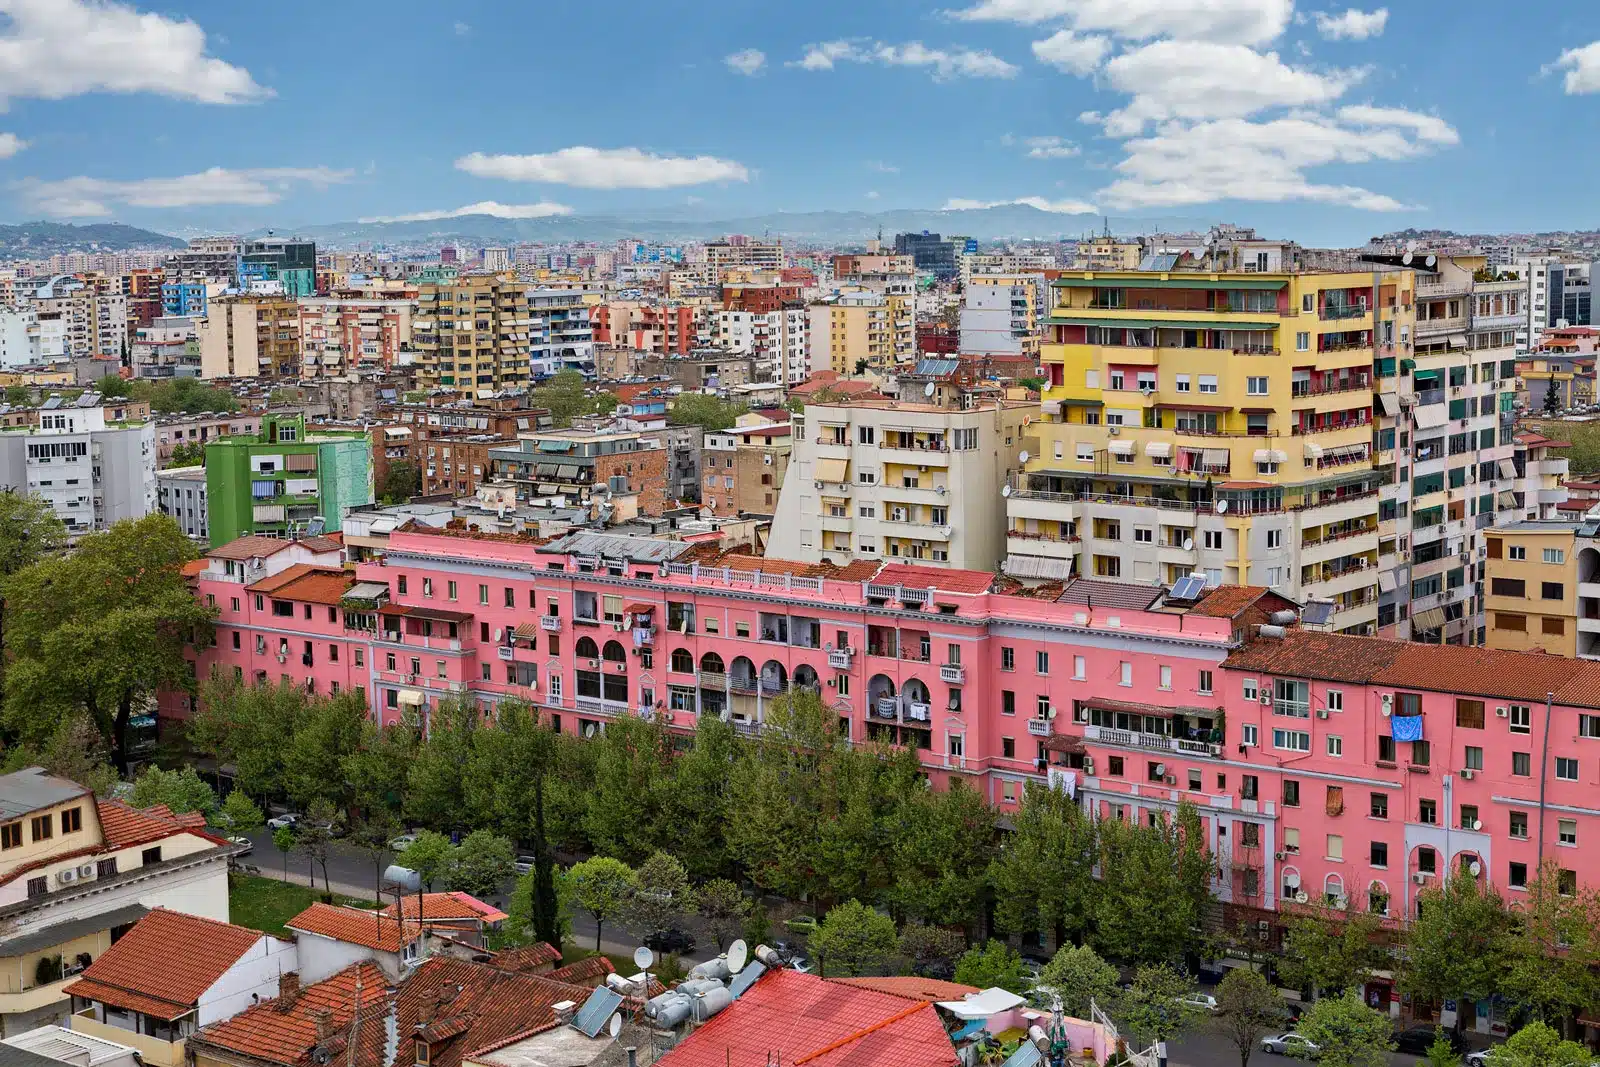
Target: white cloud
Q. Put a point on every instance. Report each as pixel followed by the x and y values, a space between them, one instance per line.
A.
pixel 86 197
pixel 882 167
pixel 58 48
pixel 1204 80
pixel 605 168
pixel 1428 128
pixel 542 210
pixel 747 61
pixel 1353 25
pixel 462 29
pixel 960 63
pixel 1233 21
pixel 1050 148
pixel 10 145
pixel 1583 69
pixel 1063 207
pixel 872 194
pixel 1072 52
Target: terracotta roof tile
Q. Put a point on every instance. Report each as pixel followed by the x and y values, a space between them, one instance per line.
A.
pixel 1099 593
pixel 929 989
pixel 529 957
pixel 126 827
pixel 1227 601
pixel 163 965
pixel 454 905
pixel 591 971
pixel 938 578
pixel 285 1031
pixel 250 546
pixel 493 1004
pixel 355 926
pixel 306 582
pixel 1303 654
pixel 825 1024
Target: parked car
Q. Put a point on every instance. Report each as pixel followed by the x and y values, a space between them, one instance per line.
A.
pixel 523 864
pixel 805 925
pixel 663 941
pixel 402 842
pixel 1291 1044
pixel 288 819
pixel 1199 1001
pixel 245 842
pixel 1418 1039
pixel 1478 1058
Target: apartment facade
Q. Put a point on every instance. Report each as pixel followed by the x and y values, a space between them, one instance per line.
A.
pixel 877 479
pixel 282 480
pixel 594 461
pixel 166 347
pixel 742 254
pixel 1000 314
pixel 743 468
pixel 94 465
pixel 337 334
pixel 181 496
pixel 471 333
pixel 861 327
pixel 250 336
pixel 778 340
pixel 560 333
pixel 1212 422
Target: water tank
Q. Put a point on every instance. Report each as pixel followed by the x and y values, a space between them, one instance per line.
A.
pixel 1272 633
pixel 404 877
pixel 1283 618
pixel 769 956
pixel 696 986
pixel 669 1009
pixel 715 969
pixel 1037 1035
pixel 710 1002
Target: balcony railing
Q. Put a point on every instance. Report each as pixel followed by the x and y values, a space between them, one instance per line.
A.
pixel 1157 742
pixel 952 673
pixel 1039 727
pixel 839 658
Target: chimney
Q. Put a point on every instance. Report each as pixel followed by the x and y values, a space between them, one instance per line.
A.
pixel 633 1056
pixel 564 1011
pixel 288 990
pixel 323 1017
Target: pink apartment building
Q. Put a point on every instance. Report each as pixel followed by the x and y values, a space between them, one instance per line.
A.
pixel 1292 745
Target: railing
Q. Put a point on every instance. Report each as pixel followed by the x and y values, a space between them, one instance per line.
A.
pixel 736 684
pixel 1353 311
pixel 1157 742
pixel 1039 727
pixel 713 680
pixel 1326 390
pixel 840 658
pixel 953 673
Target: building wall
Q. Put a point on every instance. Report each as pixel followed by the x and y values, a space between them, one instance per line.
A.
pixel 252 978
pixel 1518 577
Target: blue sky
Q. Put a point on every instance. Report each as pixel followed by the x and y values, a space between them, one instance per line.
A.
pixel 1322 122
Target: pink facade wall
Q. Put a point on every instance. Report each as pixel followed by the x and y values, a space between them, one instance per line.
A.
pixel 1134 694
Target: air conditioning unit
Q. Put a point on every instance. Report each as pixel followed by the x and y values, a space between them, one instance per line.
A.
pixel 66 876
pixel 1322 713
pixel 1386 704
pixel 1266 699
pixel 1421 878
pixel 1466 774
pixel 1113 430
pixel 85 870
pixel 1501 712
pixel 1171 779
pixel 1088 765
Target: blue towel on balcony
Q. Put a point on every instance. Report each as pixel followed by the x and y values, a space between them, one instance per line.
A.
pixel 1406 727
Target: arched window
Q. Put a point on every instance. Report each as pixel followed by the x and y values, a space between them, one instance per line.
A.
pixel 1291 883
pixel 615 653
pixel 587 649
pixel 1378 898
pixel 712 663
pixel 1333 891
pixel 682 661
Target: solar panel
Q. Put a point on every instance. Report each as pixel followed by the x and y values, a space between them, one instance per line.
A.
pixel 591 1018
pixel 746 978
pixel 1189 587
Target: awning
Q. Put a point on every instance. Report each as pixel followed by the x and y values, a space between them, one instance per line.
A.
pixel 1390 402
pixel 1508 469
pixel 366 591
pixel 1214 457
pixel 567 472
pixel 1164 324
pixel 412 697
pixel 525 630
pixel 1431 619
pixel 1313 450
pixel 1386 581
pixel 1431 417
pixel 555 446
pixel 832 470
pixel 982 1005
pixel 547 489
pixel 1507 499
pixel 545 470
pixel 639 609
pixel 1038 567
pixel 1101 280
pixel 1120 448
pixel 1158 450
pixel 1068 743
pixel 1270 455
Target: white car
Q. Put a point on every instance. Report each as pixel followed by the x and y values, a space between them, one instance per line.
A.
pixel 1478 1058
pixel 287 819
pixel 401 843
pixel 1290 1045
pixel 1199 1001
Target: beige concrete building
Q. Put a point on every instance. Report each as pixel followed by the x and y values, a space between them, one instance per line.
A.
pixel 250 337
pixel 743 467
pixel 860 326
pixel 471 333
pixel 891 480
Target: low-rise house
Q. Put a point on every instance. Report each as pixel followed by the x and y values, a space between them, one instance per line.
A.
pixel 49 1045
pixel 172 974
pixel 459 916
pixel 331 938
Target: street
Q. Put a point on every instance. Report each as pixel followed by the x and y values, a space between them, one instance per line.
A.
pixel 351 873
pixel 1207 1048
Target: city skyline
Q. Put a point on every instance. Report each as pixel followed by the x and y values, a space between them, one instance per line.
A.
pixel 1320 123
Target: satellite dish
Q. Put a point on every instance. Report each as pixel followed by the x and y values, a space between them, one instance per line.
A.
pixel 1430 261
pixel 614 1027
pixel 643 957
pixel 927 390
pixel 1301 897
pixel 1005 490
pixel 738 955
pixel 1188 544
pixel 1022 457
pixel 1405 260
pixel 1476 868
pixel 1222 507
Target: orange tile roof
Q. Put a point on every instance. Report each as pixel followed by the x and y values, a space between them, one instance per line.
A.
pixel 939 578
pixel 528 957
pixel 469 1006
pixel 929 989
pixel 356 926
pixel 251 546
pixel 591 971
pixel 128 827
pixel 454 905
pixel 163 965
pixel 306 582
pixel 285 1030
pixel 193 568
pixel 810 1020
pixel 1227 601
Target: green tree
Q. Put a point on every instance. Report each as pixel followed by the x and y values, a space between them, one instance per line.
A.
pixel 30 531
pixel 102 630
pixel 931 948
pixel 1456 947
pixel 662 896
pixel 1442 1053
pixel 1076 975
pixel 566 395
pixel 601 886
pixel 181 791
pixel 401 482
pixel 1153 888
pixel 631 786
pixel 370 836
pixel 189 454
pixel 995 964
pixel 431 855
pixel 710 413
pixel 324 737
pixel 757 927
pixel 853 939
pixel 1348 1033
pixel 1538 1045
pixel 248 727
pixel 1154 1007
pixel 437 780
pixel 697 800
pixel 1247 1008
pixel 112 387
pixel 482 863
pixel 313 835
pixel 240 814
pixel 1043 878
pixel 1552 400
pixel 1333 950
pixel 375 772
pixel 523 924
pixel 1552 950
pixel 940 856
pixel 75 751
pixel 19 394
pixel 285 840
pixel 723 908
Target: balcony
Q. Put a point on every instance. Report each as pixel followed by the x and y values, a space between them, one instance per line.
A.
pixel 886 707
pixel 1039 727
pixel 550 623
pixel 839 659
pixel 713 680
pixel 600 706
pixel 1152 742
pixel 953 674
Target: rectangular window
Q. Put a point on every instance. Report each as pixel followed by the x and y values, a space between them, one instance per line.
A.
pixel 1291 740
pixel 1335 700
pixel 1521 764
pixel 1473 760
pixel 1566 768
pixel 1469 714
pixel 1124 673
pixel 1379 808
pixel 1208 383
pixel 1291 840
pixel 1379 855
pixel 1428 812
pixel 1255 386
pixel 1518 825
pixel 1516 552
pixel 1248 734
pixel 1567 831
pixel 1165 677
pixel 1008 702
pixel 1008 658
pixel 1521 718
pixel 43 827
pixel 1385 748
pixel 1555 555
pixel 11 835
pixel 1079 665
pixel 1041 662
pixel 1335 745
pixel 1335 847
pixel 1517 876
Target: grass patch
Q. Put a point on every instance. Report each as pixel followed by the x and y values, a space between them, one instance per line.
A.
pixel 265 904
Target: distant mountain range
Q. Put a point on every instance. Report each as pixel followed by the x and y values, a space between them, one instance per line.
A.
pixel 819 227
pixel 35 240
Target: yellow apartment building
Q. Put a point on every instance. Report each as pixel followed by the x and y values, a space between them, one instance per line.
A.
pixel 471 333
pixel 1217 422
pixel 1531 588
pixel 250 337
pixel 857 325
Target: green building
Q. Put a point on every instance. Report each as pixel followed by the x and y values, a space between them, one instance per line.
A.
pixel 277 482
